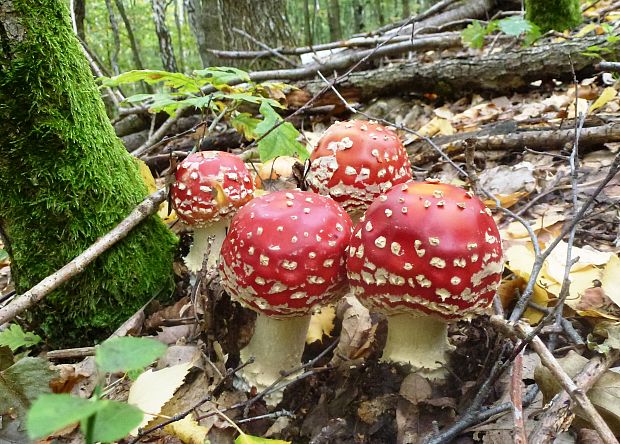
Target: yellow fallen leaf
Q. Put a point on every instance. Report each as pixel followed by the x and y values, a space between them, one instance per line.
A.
pixel 145 173
pixel 153 389
pixel 321 323
pixel 587 29
pixel 188 431
pixel 506 200
pixel 520 260
pixel 580 281
pixel 610 279
pixel 556 262
pixel 437 125
pixel 517 230
pixel 607 94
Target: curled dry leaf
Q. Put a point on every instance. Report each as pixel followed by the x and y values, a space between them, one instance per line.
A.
pixel 321 324
pixel 357 330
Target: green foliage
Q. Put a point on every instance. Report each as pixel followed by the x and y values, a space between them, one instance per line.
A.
pixel 127 353
pixel 14 337
pixel 475 33
pixel 20 384
pixel 101 420
pixel 3 255
pixel 281 141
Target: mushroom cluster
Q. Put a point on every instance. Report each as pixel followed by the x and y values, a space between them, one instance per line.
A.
pixel 355 161
pixel 210 187
pixel 425 254
pixel 284 254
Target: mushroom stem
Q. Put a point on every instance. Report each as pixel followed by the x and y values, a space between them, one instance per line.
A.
pixel 421 341
pixel 200 246
pixel 277 345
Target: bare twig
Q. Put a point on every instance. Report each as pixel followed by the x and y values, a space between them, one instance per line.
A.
pixel 77 265
pixel 516 396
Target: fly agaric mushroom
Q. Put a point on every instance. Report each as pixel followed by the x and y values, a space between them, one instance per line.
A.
pixel 284 254
pixel 425 254
pixel 210 186
pixel 356 161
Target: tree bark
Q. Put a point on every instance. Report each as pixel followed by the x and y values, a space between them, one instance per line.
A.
pixel 333 17
pixel 212 22
pixel 379 12
pixel 177 23
pixel 115 38
pixel 553 14
pixel 66 180
pixel 406 9
pixel 358 16
pixel 166 50
pixel 135 51
pixel 79 12
pixel 307 23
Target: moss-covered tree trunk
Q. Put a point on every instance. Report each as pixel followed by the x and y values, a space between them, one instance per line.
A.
pixel 65 179
pixel 553 14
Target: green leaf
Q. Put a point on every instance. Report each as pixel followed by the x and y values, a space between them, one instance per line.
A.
pixel 114 421
pixel 532 35
pixel 245 124
pixel 4 256
pixel 221 76
pixel 244 97
pixel 127 353
pixel 174 80
pixel 22 383
pixel 14 337
pixel 282 141
pixel 474 35
pixel 514 26
pixel 50 413
pixel 249 439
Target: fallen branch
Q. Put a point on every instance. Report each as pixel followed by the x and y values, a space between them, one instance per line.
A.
pixel 558 414
pixel 77 265
pixel 522 331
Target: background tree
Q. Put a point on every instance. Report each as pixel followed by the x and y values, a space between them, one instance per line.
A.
pixel 166 49
pixel 65 180
pixel 215 22
pixel 333 13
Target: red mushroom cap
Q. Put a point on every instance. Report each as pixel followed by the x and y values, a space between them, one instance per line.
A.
pixel 357 160
pixel 285 252
pixel 210 185
pixel 429 247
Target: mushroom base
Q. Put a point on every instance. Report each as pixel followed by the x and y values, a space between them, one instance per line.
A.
pixel 277 345
pixel 200 246
pixel 420 341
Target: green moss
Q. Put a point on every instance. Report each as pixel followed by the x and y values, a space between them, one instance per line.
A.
pixel 553 14
pixel 65 179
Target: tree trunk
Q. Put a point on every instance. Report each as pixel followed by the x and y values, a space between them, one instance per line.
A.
pixel 333 17
pixel 213 21
pixel 79 12
pixel 379 12
pixel 66 180
pixel 135 51
pixel 115 36
pixel 307 24
pixel 177 22
pixel 553 14
pixel 406 9
pixel 358 16
pixel 166 50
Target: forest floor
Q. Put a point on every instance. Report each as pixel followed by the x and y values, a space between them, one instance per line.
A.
pixel 346 394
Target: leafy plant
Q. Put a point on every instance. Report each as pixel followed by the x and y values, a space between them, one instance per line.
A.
pixel 100 419
pixel 515 26
pixel 14 337
pixel 215 89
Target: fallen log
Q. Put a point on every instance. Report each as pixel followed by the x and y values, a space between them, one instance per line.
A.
pixel 500 72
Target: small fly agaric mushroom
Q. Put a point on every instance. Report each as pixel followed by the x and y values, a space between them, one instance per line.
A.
pixel 424 254
pixel 284 254
pixel 356 161
pixel 210 186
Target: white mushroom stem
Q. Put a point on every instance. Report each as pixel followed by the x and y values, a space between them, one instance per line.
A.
pixel 418 340
pixel 200 246
pixel 277 345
